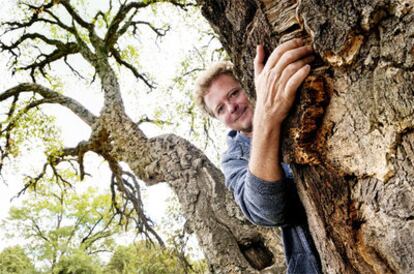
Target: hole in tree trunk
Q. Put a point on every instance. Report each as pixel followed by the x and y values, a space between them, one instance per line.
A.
pixel 257 254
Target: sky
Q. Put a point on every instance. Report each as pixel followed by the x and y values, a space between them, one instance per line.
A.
pixel 160 58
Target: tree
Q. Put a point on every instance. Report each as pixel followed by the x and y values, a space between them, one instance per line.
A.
pixel 143 258
pixel 350 138
pixel 62 227
pixel 230 243
pixel 78 263
pixel 14 260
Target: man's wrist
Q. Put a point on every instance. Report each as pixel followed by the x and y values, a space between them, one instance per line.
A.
pixel 266 131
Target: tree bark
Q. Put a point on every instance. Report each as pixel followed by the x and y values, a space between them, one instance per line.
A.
pixel 350 137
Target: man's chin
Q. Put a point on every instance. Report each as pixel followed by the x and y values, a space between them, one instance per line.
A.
pixel 247 131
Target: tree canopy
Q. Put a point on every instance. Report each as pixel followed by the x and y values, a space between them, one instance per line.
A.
pixel 45 41
pixel 14 260
pixel 56 222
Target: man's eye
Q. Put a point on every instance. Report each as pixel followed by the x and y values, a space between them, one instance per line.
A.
pixel 220 110
pixel 234 93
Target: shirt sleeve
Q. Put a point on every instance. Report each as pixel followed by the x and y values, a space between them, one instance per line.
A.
pixel 262 202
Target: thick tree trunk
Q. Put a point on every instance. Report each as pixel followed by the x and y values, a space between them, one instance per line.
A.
pixel 351 136
pixel 231 244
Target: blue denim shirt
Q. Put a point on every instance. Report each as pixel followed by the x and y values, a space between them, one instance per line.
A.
pixel 270 204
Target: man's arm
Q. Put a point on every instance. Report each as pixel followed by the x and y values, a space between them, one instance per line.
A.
pixel 259 186
pixel 262 203
pixel 276 84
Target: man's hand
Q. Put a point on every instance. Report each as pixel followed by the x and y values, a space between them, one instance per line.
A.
pixel 278 80
pixel 276 84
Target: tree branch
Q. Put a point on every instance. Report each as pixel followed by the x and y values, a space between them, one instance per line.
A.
pixel 54 160
pixel 158 31
pixel 33 36
pixel 54 97
pixel 6 150
pixel 39 231
pixel 114 30
pixel 76 16
pixel 61 50
pixel 138 75
pixel 146 119
pixel 77 73
pixel 14 25
pixel 112 36
pixel 57 22
pixel 128 185
pixel 91 230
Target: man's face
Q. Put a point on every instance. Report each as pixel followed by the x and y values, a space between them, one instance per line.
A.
pixel 228 102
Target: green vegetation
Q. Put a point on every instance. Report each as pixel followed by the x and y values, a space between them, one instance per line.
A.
pixel 65 232
pixel 148 259
pixel 13 260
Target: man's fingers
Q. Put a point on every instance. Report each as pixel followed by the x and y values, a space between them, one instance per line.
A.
pixel 291 69
pixel 292 56
pixel 280 50
pixel 258 60
pixel 296 80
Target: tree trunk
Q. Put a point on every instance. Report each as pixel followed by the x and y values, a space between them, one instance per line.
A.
pixel 349 139
pixel 230 243
pixel 351 135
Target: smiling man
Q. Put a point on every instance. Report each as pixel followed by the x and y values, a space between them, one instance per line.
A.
pixel 261 184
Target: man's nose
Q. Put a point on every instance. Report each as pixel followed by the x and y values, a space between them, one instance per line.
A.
pixel 232 107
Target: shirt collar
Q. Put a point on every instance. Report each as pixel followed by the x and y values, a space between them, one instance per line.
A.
pixel 236 136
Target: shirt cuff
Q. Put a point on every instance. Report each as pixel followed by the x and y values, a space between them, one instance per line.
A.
pixel 265 187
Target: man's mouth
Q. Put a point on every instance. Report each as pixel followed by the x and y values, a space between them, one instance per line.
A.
pixel 241 113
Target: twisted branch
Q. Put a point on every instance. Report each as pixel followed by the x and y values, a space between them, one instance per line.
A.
pixel 127 184
pixel 51 97
pixel 138 75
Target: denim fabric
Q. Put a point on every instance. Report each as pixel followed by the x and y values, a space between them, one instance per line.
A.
pixel 271 204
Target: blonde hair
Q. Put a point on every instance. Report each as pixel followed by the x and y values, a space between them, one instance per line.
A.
pixel 205 80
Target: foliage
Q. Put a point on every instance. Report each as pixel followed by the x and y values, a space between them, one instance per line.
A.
pixel 56 222
pixel 145 259
pixel 13 260
pixel 78 263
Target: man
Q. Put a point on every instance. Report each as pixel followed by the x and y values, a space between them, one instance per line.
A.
pixel 261 185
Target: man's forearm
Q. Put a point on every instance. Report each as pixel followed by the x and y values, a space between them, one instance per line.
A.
pixel 265 153
pixel 276 84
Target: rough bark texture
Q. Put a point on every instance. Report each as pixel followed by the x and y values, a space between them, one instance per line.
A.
pixel 351 135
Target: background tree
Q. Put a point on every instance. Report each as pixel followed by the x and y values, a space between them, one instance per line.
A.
pixel 78 262
pixel 230 243
pixel 350 138
pixel 63 224
pixel 14 260
pixel 143 258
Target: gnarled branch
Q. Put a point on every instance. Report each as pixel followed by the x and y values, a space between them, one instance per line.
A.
pixel 51 96
pixel 141 76
pixel 127 184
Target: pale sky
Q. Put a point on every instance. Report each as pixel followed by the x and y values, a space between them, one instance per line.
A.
pixel 161 60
